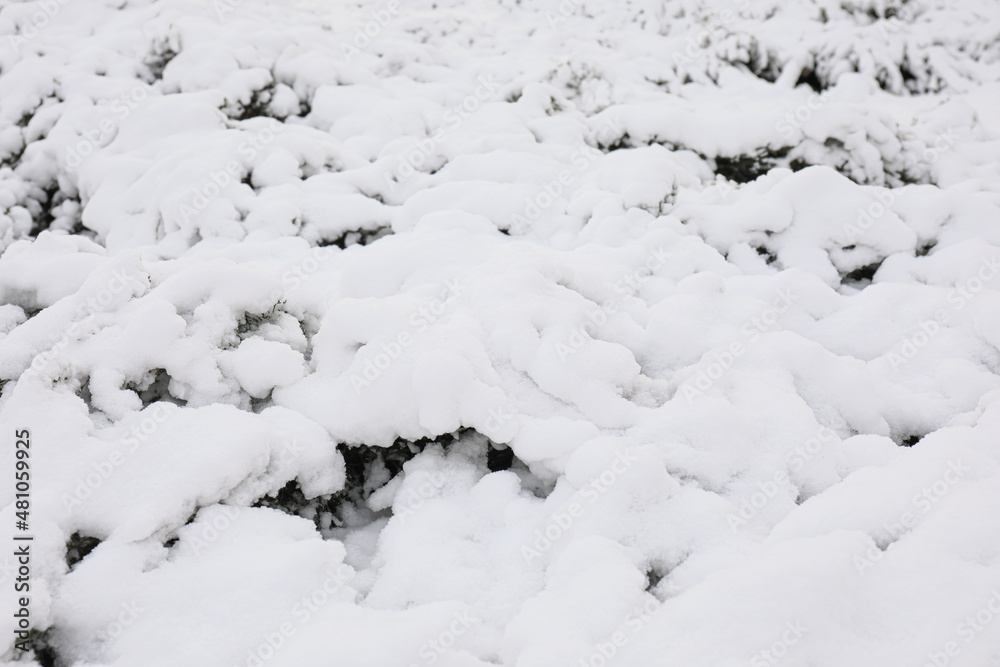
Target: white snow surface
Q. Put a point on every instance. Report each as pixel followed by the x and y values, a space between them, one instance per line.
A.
pixel 280 282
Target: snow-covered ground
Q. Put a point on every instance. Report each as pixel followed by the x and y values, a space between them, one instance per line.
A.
pixel 536 333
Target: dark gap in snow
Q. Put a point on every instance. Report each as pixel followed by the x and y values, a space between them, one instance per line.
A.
pixel 660 83
pixel 24 298
pixel 289 499
pixel 862 275
pixel 907 177
pixel 42 645
pixel 84 393
pixel 872 12
pixel 499 457
pixel 157 61
pixel 762 65
pixel 153 387
pixel 910 80
pixel 305 107
pixel 768 256
pixel 742 168
pixel 911 440
pixel 925 248
pixel 884 79
pixel 618 144
pixel 44 218
pixel 78 547
pixel 258 405
pixel 251 322
pixel 654 575
pixel 356 237
pixel 370 467
pixel 554 106
pixel 257 107
pixel 809 78
pixel 13 158
pixel 172 538
pixel 377 196
pixel 194 515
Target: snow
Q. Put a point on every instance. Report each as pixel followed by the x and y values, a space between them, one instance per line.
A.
pixel 502 333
